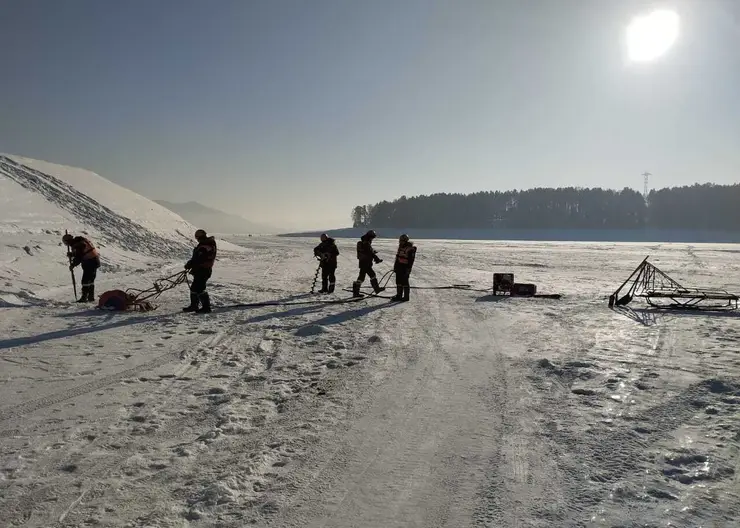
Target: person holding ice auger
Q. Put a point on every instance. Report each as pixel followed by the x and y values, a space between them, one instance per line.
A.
pixel 200 267
pixel 402 267
pixel 366 256
pixel 81 252
pixel 327 253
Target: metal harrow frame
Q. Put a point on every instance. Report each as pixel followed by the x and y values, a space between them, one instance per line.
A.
pixel 661 291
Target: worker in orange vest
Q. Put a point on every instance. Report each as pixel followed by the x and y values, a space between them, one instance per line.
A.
pixel 402 267
pixel 81 252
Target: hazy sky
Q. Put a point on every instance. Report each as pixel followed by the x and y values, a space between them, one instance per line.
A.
pixel 292 112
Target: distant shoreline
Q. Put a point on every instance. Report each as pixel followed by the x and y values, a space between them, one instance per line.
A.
pixel 542 235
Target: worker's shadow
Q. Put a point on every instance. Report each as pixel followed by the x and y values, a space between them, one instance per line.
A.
pixel 293 312
pixel 90 312
pixel 349 315
pixel 71 332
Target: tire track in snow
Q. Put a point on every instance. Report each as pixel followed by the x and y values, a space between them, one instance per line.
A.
pixel 516 471
pixel 413 454
pixel 357 452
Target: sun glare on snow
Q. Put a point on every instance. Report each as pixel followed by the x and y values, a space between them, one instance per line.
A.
pixel 650 36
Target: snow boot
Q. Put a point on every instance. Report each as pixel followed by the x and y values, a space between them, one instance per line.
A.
pixel 356 289
pixel 331 288
pixel 193 303
pixel 324 288
pixel 376 286
pixel 406 291
pixel 399 295
pixel 83 296
pixel 206 301
pixel 91 293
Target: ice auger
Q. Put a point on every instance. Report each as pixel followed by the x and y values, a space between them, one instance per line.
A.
pixel 316 276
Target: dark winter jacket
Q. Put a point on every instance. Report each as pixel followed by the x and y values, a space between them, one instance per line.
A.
pixel 82 250
pixel 327 251
pixel 405 256
pixel 366 255
pixel 204 255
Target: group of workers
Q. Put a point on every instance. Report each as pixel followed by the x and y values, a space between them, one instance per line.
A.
pixel 327 252
pixel 81 252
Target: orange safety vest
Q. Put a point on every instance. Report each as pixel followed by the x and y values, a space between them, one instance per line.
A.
pixel 403 254
pixel 84 249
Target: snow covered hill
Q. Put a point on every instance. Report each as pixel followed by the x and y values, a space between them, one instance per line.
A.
pixel 90 201
pixel 40 200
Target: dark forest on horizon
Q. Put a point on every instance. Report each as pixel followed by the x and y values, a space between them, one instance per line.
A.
pixel 700 206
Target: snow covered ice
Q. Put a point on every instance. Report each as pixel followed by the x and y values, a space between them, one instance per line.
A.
pixel 455 409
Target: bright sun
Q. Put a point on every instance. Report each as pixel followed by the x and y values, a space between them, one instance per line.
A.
pixel 650 36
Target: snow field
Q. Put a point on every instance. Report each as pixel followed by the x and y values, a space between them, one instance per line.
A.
pixel 454 409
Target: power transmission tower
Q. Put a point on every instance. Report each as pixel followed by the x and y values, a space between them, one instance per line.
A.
pixel 646 175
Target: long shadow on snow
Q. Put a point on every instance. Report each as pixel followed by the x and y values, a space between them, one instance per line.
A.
pixel 92 312
pixel 71 332
pixel 653 316
pixel 351 314
pixel 293 312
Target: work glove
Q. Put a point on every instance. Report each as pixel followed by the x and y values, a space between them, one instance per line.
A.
pixel 71 267
pixel 188 265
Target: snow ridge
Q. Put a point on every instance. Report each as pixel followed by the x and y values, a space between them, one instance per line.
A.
pixel 113 227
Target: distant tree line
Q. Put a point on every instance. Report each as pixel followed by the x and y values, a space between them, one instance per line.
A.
pixel 705 206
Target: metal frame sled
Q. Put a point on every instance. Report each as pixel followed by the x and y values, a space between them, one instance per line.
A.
pixel 140 300
pixel 661 291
